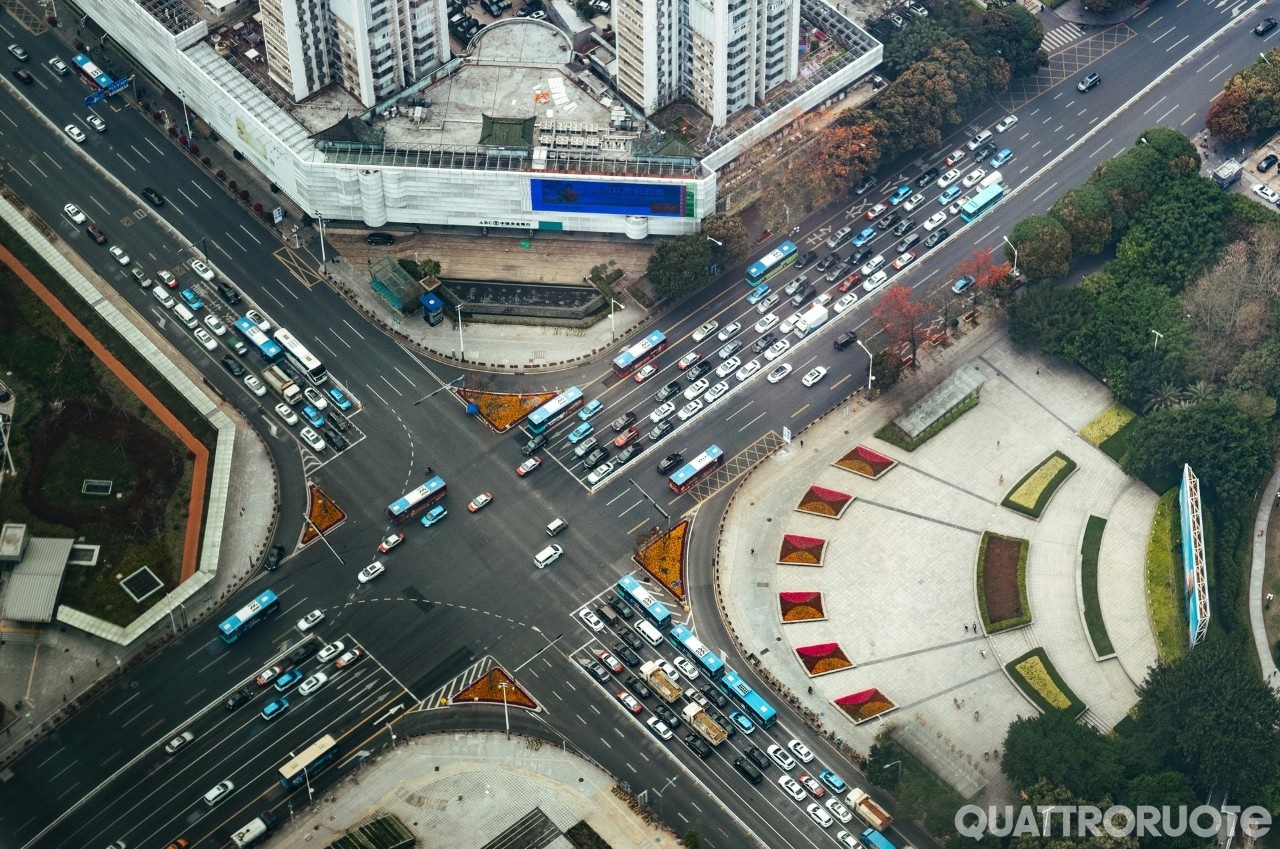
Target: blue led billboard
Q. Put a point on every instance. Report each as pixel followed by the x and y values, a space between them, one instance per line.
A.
pixel 600 198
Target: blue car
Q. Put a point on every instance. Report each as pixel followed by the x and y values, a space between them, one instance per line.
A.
pixel 864 237
pixel 274 709
pixel 339 398
pixel 899 195
pixel 594 406
pixel 950 194
pixel 580 433
pixel 1001 158
pixel 758 293
pixel 192 299
pixel 434 515
pixel 835 782
pixel 740 719
pixel 312 415
pixel 962 284
pixel 288 680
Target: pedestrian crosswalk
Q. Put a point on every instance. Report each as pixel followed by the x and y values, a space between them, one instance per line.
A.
pixel 1059 37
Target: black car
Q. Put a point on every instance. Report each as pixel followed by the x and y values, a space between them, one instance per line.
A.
pixel 626 655
pixel 631 639
pixel 232 365
pixel 661 429
pixel 908 242
pixel 228 294
pixel 626 455
pixel 889 220
pixel 927 177
pixel 865 186
pixel 1090 81
pixel 805 296
pixel 827 262
pixel 638 687
pixel 623 422
pixel 303 652
pixel 1265 164
pixel 697 371
pixel 595 458
pixel 742 765
pixel 238 698
pixel 844 340
pixel 763 342
pixel 936 237
pixel 337 440
pixel 698 745
pixel 274 556
pixel 1267 25
pixel 24 75
pixel 380 239
pixel 668 392
pixel 669 462
pixel 153 196
pixel 761 759
pixel 985 151
pixel 905 226
pixel 599 672
pixel 621 608
pixel 805 259
pixel 534 444
pixel 716 697
pixel 668 716
pixel 728 727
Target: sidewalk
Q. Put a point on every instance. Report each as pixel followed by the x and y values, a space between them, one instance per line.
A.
pixel 1257 588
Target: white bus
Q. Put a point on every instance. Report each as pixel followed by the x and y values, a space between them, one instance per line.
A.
pixel 301 357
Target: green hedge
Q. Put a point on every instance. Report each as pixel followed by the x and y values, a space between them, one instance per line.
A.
pixel 1046 492
pixel 1164 579
pixel 1075 708
pixel 1016 621
pixel 894 435
pixel 1116 445
pixel 1089 586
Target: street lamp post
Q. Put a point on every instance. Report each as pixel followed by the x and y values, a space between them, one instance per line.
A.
pixel 393 734
pixel 1015 254
pixel 870 377
pixel 462 353
pixel 185 116
pixel 503 685
pixel 320 221
pixel 613 333
pixel 1156 345
pixel 323 539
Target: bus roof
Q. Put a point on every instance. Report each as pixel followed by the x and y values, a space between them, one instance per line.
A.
pixel 414 496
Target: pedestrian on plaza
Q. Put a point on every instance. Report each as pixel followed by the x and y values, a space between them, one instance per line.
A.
pixel 982 652
pixel 966 627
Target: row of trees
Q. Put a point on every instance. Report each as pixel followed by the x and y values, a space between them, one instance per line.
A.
pixel 683 265
pixel 1249 106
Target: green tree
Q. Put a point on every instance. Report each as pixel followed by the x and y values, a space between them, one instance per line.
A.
pixel 680 266
pixel 937 92
pixel 1043 245
pixel 1105 6
pixel 1176 236
pixel 691 839
pixel 1013 35
pixel 1051 319
pixel 1085 213
pixel 1177 150
pixel 1046 794
pixel 1167 396
pixel 913 44
pixel 1131 180
pixel 1054 747
pixel 729 231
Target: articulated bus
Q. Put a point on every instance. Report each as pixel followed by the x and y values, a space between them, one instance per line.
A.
pixel 90 72
pixel 696 469
pixel 762 713
pixel 248 616
pixel 982 201
pixel 415 501
pixel 655 611
pixel 708 661
pixel 771 263
pixel 555 409
pixel 270 351
pixel 301 357
pixel 310 761
pixel 640 353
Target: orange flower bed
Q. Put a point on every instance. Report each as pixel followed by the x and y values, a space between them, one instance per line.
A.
pixel 865 705
pixel 489 688
pixel 801 607
pixel 801 551
pixel 863 461
pixel 821 501
pixel 324 515
pixel 663 558
pixel 823 658
pixel 504 410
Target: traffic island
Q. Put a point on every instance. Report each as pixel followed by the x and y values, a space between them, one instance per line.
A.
pixel 502 410
pixel 495 687
pixel 662 556
pixel 323 515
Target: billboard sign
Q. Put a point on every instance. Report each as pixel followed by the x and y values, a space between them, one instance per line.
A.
pixel 668 200
pixel 1193 565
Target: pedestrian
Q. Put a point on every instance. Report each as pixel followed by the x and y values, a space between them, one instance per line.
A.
pixel 753 552
pixel 975 627
pixel 802 443
pixel 975 716
pixel 997 443
pixel 1000 480
pixel 429 470
pixel 966 627
pixel 982 652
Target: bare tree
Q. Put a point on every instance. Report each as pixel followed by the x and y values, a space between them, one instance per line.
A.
pixel 1231 305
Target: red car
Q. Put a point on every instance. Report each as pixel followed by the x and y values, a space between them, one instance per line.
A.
pixel 849 282
pixel 268 675
pixel 528 465
pixel 626 437
pixel 96 234
pixel 688 360
pixel 390 542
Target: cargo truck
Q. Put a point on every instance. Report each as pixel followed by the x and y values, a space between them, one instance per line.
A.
pixel 873 839
pixel 864 806
pixel 282 384
pixel 661 684
pixel 253 831
pixel 702 722
pixel 812 318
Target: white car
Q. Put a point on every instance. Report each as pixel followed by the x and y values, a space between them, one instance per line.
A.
pixel 203 271
pixel 73 213
pixel 332 650
pixel 767 323
pixel 1267 193
pixel 875 281
pixel 768 303
pixel 599 473
pixel 948 178
pixel 75 132
pixel 178 742
pixel 748 370
pixel 313 439
pixel 845 302
pixel 310 621
pixel 913 201
pixel 872 265
pixel 315 397
pixel 715 392
pixel 728 367
pixel 822 300
pixel 255 385
pixel 215 324
pixel 256 318
pixel 167 279
pixel 370 572
pixel 1006 123
pixel 593 621
pixel 668 670
pixel 697 388
pixel 315 682
pixel 96 122
pixel 848 840
pixel 819 815
pixel 705 330
pixel 777 349
pixel 686 667
pixel 659 728
pixel 800 750
pixel 730 330
pixel 219 792
pixel 779 373
pixel 780 757
pixel 286 412
pixel 206 339
pixel 790 323
pixel 793 788
pixel 815 374
pixel 838 810
pixel 690 410
pixel 662 412
pixel 935 221
pixel 973 177
pixel 956 205
pixel 121 257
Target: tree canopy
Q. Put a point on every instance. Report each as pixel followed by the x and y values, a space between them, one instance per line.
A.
pixel 680 266
pixel 1043 246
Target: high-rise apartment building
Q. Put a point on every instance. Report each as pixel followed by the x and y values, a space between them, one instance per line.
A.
pixel 372 48
pixel 725 55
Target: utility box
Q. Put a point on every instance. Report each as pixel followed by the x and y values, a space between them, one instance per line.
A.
pixel 1227 174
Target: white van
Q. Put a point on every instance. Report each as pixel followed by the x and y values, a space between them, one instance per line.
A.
pixel 166 300
pixel 979 140
pixel 547 556
pixel 185 315
pixel 556 526
pixel 649 632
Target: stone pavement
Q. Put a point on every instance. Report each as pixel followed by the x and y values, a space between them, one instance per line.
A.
pixel 898 578
pixel 466 789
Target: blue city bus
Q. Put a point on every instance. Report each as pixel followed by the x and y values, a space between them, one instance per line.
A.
pixel 982 201
pixel 555 409
pixel 640 353
pixel 248 328
pixel 655 611
pixel 248 616
pixel 696 469
pixel 873 839
pixel 416 500
pixel 761 711
pixel 312 760
pixel 771 263
pixel 708 661
pixel 90 72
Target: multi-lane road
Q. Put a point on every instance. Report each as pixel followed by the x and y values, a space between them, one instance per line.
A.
pixel 435 613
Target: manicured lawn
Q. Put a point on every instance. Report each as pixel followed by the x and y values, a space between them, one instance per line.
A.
pixel 1164 580
pixel 1031 495
pixel 1089 585
pixel 1034 674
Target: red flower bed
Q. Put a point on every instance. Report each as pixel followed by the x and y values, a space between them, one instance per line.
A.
pixel 801 607
pixel 821 501
pixel 823 658
pixel 663 558
pixel 863 461
pixel 490 687
pixel 801 551
pixel 503 410
pixel 864 705
pixel 1000 578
